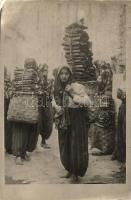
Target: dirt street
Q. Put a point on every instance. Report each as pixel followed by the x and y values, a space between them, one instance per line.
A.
pixel 45 168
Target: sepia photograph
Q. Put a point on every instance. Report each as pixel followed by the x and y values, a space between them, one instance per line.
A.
pixel 64 68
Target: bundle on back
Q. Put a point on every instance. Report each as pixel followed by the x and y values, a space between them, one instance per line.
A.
pixel 78 52
pixel 23 106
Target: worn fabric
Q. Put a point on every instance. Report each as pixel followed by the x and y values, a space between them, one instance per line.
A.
pixel 24 138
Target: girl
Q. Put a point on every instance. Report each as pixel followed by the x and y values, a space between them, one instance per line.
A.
pixel 72 128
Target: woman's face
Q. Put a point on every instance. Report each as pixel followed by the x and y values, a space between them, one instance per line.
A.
pixel 119 94
pixel 64 75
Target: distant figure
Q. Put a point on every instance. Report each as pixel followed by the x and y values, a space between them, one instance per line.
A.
pixel 120 151
pixel 45 119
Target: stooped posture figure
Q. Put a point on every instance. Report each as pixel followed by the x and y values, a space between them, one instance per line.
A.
pixel 45 119
pixel 72 127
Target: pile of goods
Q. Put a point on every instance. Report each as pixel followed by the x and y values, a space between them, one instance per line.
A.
pixel 25 80
pixel 23 106
pixel 78 52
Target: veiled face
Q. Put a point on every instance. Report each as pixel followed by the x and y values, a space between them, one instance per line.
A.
pixel 64 75
pixel 44 72
pixel 120 94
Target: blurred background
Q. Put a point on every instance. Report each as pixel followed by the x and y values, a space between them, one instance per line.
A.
pixel 36 29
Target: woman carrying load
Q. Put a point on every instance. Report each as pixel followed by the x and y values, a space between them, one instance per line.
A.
pixel 72 127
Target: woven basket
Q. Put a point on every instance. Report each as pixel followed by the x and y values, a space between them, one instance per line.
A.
pixel 102 138
pixel 23 108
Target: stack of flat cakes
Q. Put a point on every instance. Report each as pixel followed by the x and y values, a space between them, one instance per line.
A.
pixel 18 74
pixel 78 52
pixel 25 80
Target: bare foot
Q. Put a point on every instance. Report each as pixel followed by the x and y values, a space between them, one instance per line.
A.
pixel 75 179
pixel 18 161
pixel 27 157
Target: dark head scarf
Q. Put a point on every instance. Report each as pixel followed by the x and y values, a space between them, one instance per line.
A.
pixel 43 67
pixel 30 62
pixel 59 87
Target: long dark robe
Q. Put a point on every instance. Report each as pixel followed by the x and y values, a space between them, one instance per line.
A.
pixel 121 133
pixel 73 143
pixel 24 138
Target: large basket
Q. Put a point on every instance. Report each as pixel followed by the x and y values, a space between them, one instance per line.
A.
pixel 23 108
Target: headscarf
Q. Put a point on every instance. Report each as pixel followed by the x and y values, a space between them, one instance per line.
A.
pixel 43 67
pixel 59 86
pixel 30 61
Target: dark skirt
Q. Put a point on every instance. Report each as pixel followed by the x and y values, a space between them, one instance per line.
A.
pixel 45 121
pixel 24 138
pixel 73 143
pixel 121 134
pixel 7 127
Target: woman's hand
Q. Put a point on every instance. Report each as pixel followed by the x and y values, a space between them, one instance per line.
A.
pixel 58 108
pixel 68 88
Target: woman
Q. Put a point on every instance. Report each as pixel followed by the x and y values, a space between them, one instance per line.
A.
pixel 103 126
pixel 25 136
pixel 72 128
pixel 45 119
pixel 7 124
pixel 120 151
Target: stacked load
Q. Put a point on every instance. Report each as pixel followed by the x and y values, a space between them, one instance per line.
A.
pixel 17 82
pixel 23 106
pixel 78 52
pixel 25 80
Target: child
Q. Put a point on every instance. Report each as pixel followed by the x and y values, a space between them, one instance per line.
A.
pixel 72 128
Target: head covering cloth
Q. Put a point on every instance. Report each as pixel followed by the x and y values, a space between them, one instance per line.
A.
pixel 59 86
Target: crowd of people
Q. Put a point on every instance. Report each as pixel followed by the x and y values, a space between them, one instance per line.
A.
pixel 76 127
